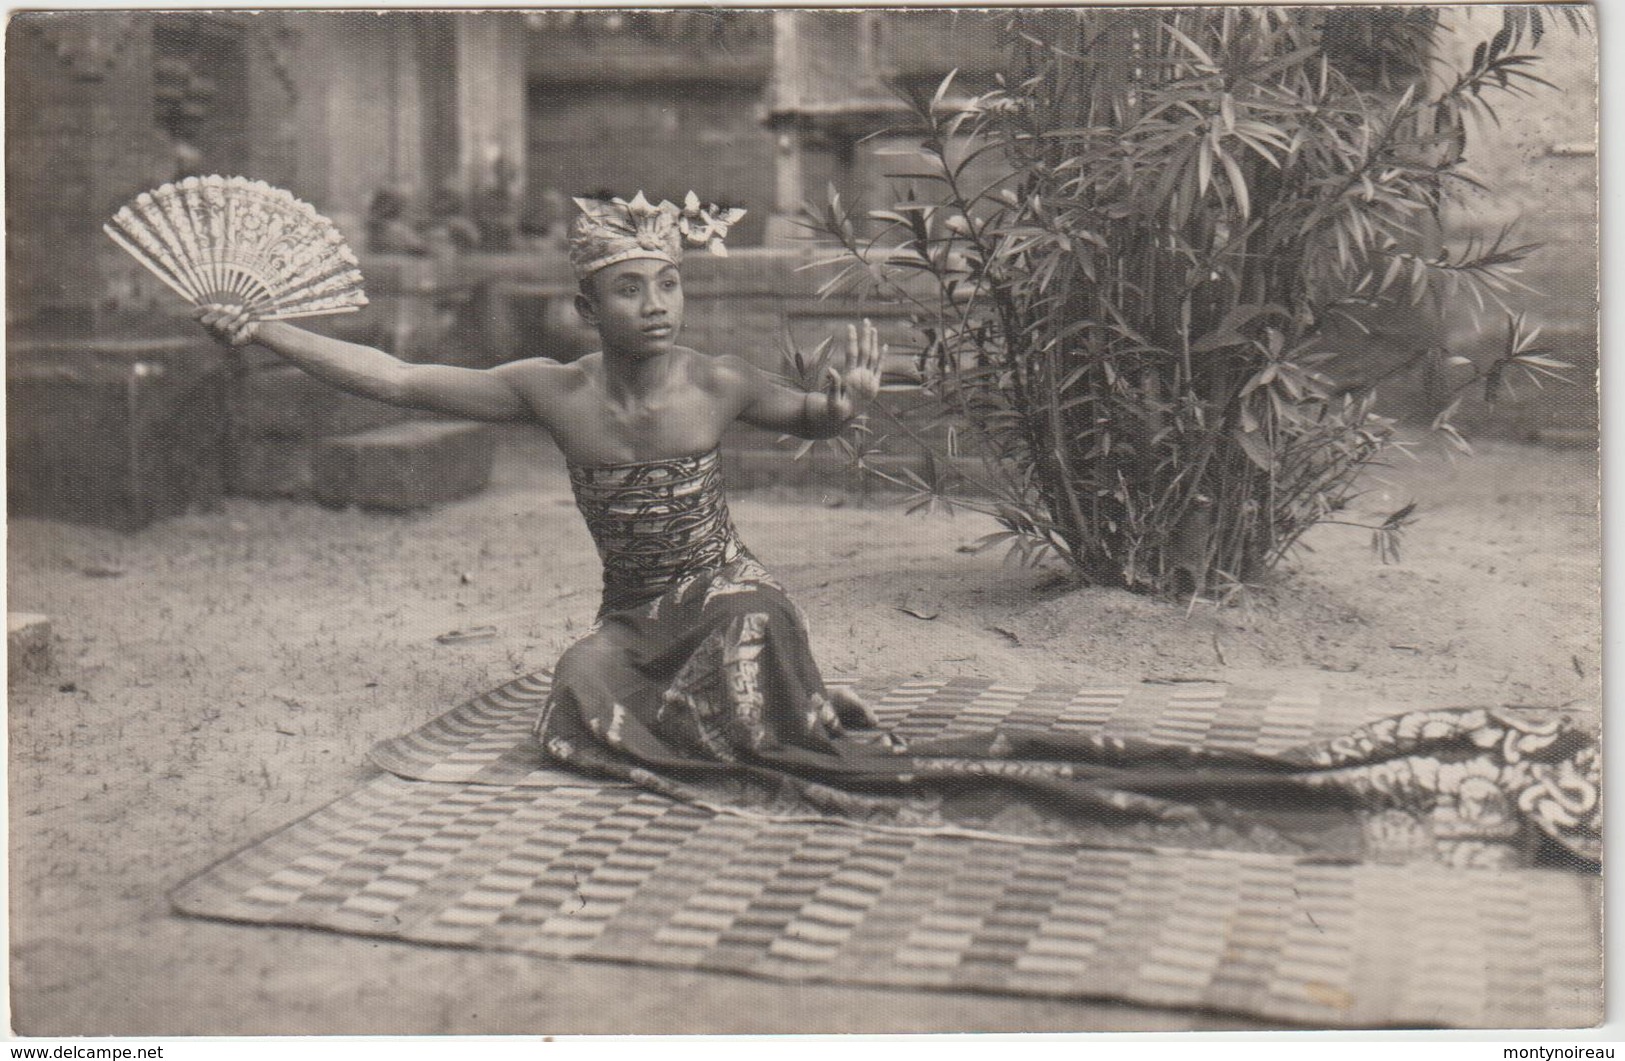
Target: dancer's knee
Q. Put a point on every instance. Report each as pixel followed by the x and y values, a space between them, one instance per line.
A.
pixel 586 658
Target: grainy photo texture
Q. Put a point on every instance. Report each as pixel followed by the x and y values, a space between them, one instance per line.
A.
pixel 1156 585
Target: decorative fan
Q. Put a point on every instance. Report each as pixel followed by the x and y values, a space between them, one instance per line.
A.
pixel 235 240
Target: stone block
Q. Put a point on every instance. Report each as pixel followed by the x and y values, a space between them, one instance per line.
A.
pixel 271 468
pixel 115 434
pixel 28 644
pixel 284 402
pixel 404 467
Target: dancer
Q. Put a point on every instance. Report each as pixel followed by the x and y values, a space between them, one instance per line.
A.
pixel 639 423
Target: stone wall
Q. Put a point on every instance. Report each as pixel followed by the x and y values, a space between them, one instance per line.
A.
pixel 919 48
pixel 79 141
pixel 358 114
pixel 415 102
pixel 83 137
pixel 664 102
pixel 660 138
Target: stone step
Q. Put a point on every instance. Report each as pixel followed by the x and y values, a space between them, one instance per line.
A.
pixel 28 644
pixel 405 466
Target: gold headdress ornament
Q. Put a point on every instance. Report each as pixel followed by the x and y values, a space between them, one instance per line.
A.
pixel 614 230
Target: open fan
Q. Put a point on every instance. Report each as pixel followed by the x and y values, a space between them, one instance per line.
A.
pixel 235 240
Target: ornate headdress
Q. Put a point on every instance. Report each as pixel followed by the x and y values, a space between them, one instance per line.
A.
pixel 614 230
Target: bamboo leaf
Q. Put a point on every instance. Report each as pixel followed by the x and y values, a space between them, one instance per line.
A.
pixel 1256 449
pixel 1228 330
pixel 1188 44
pixel 1238 185
pixel 1546 362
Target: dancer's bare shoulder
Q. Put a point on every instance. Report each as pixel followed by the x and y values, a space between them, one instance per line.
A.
pixel 723 375
pixel 547 387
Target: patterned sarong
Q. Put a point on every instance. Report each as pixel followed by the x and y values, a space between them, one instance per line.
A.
pixel 698 682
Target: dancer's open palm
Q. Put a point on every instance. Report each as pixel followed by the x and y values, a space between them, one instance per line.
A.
pixel 857 379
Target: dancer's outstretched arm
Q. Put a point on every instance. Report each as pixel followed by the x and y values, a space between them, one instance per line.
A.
pixel 469 393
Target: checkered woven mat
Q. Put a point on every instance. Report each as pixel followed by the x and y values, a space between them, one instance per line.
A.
pixel 618 874
pixel 487 740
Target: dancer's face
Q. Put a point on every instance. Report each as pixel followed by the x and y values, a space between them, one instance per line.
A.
pixel 637 306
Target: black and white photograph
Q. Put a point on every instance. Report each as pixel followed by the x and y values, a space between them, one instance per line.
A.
pixel 717 521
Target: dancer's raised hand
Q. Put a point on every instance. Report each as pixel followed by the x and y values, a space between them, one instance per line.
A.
pixel 227 323
pixel 858 378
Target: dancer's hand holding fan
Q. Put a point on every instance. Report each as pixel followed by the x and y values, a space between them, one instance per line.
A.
pixel 241 251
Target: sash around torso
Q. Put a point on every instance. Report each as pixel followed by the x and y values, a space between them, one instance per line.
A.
pixel 654 522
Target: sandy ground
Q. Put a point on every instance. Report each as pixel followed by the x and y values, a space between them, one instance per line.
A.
pixel 220 675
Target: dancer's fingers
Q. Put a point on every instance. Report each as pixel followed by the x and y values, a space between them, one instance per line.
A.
pixel 219 315
pixel 835 394
pixel 228 323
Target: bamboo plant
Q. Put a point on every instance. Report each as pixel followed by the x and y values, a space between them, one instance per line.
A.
pixel 1120 263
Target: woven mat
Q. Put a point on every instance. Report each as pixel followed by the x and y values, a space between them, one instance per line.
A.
pixel 487 740
pixel 622 875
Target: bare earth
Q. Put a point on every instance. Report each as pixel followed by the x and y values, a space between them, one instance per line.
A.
pixel 220 675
